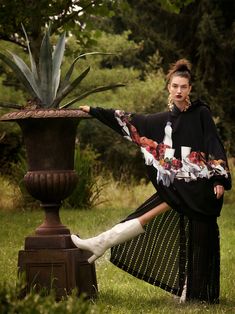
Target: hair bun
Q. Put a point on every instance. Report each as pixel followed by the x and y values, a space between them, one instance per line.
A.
pixel 182 65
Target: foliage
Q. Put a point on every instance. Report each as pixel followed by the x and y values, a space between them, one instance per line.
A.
pixel 43 83
pixel 16 176
pixel 215 63
pixel 10 93
pixel 87 192
pixel 10 147
pixel 40 303
pixel 10 195
pixel 150 32
pixel 144 92
pixel 76 15
pixel 203 32
pixel 116 157
pixel 174 5
pixel 85 195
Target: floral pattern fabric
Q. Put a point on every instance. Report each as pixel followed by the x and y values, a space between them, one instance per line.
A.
pixel 189 168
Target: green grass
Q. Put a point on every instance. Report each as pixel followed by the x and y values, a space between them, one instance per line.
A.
pixel 118 291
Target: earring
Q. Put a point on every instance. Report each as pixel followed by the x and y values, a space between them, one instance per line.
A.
pixel 188 103
pixel 170 103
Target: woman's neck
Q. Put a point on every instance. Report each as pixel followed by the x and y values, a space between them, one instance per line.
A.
pixel 182 106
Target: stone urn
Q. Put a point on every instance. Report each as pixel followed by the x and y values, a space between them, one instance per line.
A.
pixel 49 258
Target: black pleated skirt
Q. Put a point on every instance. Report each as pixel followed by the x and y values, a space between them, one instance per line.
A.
pixel 177 254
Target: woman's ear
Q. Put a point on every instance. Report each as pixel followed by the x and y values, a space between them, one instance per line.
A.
pixel 168 87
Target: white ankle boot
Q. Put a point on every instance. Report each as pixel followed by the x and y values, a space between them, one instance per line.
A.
pixel 120 233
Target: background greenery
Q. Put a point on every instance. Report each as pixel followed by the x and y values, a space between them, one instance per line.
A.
pixel 145 37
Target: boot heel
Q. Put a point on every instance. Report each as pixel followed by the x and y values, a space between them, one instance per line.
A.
pixel 92 259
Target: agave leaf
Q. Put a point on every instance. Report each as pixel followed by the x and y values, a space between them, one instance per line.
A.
pixel 32 61
pixel 65 82
pixel 95 90
pixel 67 89
pixel 26 72
pixel 10 105
pixel 57 58
pixel 19 74
pixel 45 70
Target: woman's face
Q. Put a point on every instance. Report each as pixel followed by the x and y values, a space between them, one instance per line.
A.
pixel 179 89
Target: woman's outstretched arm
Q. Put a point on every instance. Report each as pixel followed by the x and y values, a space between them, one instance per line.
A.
pixel 129 125
pixel 106 116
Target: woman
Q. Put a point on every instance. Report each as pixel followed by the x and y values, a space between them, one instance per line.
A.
pixel 172 240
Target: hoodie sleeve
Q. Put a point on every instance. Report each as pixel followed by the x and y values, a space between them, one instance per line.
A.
pixel 131 126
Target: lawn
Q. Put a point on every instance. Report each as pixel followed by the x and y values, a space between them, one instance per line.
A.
pixel 118 291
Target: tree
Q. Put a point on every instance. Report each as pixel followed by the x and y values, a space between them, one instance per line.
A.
pixel 152 22
pixel 212 53
pixel 72 15
pixel 203 32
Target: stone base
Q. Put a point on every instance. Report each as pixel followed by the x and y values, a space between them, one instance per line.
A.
pixel 61 269
pixel 57 241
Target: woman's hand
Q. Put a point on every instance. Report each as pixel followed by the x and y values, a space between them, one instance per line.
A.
pixel 219 191
pixel 85 108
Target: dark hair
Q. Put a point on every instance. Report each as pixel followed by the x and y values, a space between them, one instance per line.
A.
pixel 181 68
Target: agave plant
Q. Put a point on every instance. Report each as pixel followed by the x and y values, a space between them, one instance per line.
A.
pixel 44 82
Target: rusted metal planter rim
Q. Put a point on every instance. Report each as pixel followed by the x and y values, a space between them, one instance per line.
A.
pixel 44 113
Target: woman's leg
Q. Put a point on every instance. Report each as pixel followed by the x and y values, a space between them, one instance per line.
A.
pixel 147 217
pixel 120 233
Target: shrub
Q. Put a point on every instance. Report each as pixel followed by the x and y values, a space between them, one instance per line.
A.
pixel 86 192
pixel 18 170
pixel 10 195
pixel 42 304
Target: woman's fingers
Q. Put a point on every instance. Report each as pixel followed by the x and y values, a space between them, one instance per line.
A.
pixel 85 108
pixel 219 191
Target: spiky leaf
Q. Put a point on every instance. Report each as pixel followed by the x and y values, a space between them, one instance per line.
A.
pixel 69 87
pixel 25 70
pixel 32 61
pixel 27 73
pixel 45 70
pixel 57 58
pixel 65 82
pixel 10 105
pixel 95 90
pixel 19 74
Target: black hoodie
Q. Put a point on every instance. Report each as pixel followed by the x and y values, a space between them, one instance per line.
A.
pixel 194 128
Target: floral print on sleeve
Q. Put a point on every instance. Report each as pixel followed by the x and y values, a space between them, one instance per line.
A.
pixel 190 167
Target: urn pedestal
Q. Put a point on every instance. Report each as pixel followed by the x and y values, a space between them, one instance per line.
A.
pixel 49 259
